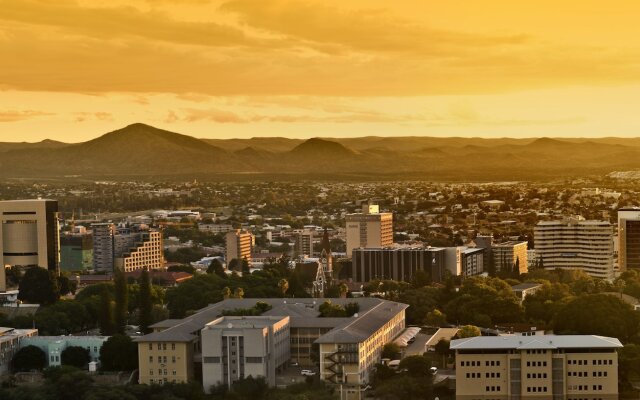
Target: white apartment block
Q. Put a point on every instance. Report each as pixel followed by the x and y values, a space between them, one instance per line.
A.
pixel 576 245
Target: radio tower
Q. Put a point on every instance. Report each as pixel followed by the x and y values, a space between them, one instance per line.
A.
pixel 325 267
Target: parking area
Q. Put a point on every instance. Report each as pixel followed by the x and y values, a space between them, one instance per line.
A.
pixel 417 348
pixel 292 374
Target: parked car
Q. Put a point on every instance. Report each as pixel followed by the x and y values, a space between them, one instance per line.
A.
pixel 307 372
pixel 433 370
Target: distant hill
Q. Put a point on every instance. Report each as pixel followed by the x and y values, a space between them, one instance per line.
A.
pixel 144 152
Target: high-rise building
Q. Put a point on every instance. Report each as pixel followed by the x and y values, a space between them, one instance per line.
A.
pixel 509 255
pixel 304 243
pixel 127 248
pixel 536 367
pixel 575 244
pixel 103 247
pixel 239 244
pixel 400 264
pixel 629 238
pixel 30 234
pixel 370 228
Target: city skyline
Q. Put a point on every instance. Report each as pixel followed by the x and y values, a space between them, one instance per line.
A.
pixel 237 69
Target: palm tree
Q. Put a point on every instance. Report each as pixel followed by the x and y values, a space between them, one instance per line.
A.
pixel 283 285
pixel 226 293
pixel 238 293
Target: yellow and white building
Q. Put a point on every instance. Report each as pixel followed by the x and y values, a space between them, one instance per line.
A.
pixel 562 367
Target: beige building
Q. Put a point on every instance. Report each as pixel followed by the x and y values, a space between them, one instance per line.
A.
pixel 576 245
pixel 29 235
pixel 536 367
pixel 349 347
pixel 629 238
pixel 239 244
pixel 371 228
pixel 508 254
pixel 304 243
pixel 146 252
pixel 237 347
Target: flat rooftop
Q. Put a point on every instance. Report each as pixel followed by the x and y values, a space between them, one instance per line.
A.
pixel 540 342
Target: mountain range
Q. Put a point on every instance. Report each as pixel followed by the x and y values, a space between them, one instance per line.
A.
pixel 144 152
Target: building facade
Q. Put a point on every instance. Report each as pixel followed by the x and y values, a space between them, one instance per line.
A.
pixel 146 252
pixel 509 255
pixel 10 342
pixel 53 346
pixel 128 248
pixel 304 243
pixel 536 367
pixel 400 264
pixel 103 246
pixel 576 245
pixel 239 245
pixel 179 350
pixel 76 253
pixel 371 228
pixel 629 238
pixel 29 235
pixel 237 347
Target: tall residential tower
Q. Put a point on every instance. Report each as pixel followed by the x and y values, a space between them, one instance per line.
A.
pixel 370 228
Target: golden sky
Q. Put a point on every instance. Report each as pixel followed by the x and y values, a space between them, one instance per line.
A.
pixel 72 70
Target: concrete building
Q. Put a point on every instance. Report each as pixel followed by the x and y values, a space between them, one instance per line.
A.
pixel 126 247
pixel 371 228
pixel 523 290
pixel 215 228
pixel 536 367
pixel 237 347
pixel 53 346
pixel 629 238
pixel 304 243
pixel 146 252
pixel 103 246
pixel 509 254
pixel 30 234
pixel 576 245
pixel 10 343
pixel 239 244
pixel 76 252
pixel 472 260
pixel 349 346
pixel 400 264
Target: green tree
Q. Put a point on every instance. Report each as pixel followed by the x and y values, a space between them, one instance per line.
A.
pixel 416 366
pixel 216 268
pixel 238 293
pixel 122 299
pixel 119 353
pixel 75 356
pixel 468 331
pixel 145 305
pixel 597 314
pixel 106 313
pixel 391 351
pixel 29 358
pixel 435 318
pixel 38 286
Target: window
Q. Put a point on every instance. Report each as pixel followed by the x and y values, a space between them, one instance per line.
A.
pixel 173 359
pixel 164 346
pixel 151 373
pixel 150 359
pixel 173 346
